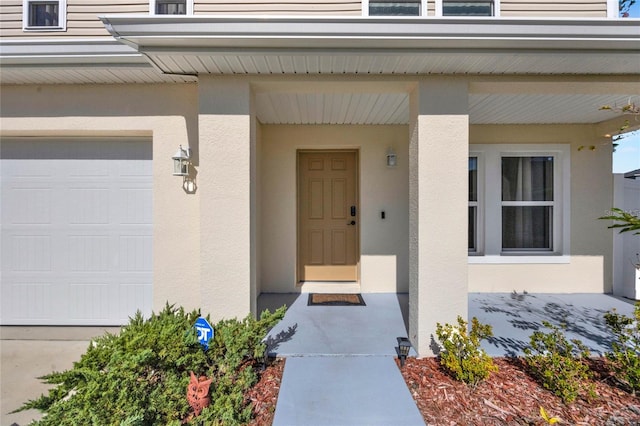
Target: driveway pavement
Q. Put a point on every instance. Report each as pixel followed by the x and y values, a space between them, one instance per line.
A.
pixel 27 353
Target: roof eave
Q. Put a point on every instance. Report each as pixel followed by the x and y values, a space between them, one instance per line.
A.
pixel 366 33
pixel 63 52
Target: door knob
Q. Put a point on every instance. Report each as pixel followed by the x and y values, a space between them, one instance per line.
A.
pixel 353 222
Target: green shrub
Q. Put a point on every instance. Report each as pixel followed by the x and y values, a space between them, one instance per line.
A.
pixel 558 364
pixel 462 356
pixel 140 376
pixel 625 357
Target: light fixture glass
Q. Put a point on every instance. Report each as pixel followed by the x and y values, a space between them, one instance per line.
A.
pixel 404 345
pixel 392 158
pixel 181 162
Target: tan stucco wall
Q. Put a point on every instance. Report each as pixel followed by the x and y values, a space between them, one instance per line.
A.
pixel 439 148
pixel 266 194
pixel 588 268
pixel 383 242
pixel 165 113
pixel 227 146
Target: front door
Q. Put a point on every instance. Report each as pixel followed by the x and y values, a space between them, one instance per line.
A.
pixel 327 215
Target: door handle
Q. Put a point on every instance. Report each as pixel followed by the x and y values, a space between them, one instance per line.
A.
pixel 353 222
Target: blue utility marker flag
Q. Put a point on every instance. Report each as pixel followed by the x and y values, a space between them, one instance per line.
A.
pixel 205 332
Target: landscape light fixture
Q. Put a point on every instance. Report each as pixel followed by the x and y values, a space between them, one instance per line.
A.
pixel 404 345
pixel 181 162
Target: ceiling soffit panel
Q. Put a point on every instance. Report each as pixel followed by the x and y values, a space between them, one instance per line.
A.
pixel 417 64
pixel 393 108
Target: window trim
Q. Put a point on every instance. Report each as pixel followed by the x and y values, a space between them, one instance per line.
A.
pixel 490 192
pixel 479 204
pixel 152 8
pixel 62 16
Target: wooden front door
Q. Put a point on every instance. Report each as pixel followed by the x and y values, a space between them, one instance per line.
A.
pixel 327 216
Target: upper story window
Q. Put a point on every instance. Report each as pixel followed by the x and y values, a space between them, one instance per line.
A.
pixel 44 15
pixel 467 8
pixel 171 7
pixel 394 8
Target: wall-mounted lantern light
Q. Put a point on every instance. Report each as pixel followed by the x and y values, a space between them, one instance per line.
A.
pixel 392 159
pixel 404 345
pixel 181 162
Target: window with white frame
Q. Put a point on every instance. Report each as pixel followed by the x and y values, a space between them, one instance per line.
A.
pixel 44 15
pixel 395 8
pixel 171 7
pixel 519 199
pixel 473 204
pixel 467 8
pixel 527 203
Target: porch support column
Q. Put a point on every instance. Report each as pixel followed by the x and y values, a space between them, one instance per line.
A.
pixel 438 205
pixel 226 148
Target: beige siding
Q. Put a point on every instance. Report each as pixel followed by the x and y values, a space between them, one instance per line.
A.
pixel 82 17
pixel 288 7
pixel 553 8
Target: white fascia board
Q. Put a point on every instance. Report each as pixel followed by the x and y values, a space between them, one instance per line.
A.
pixel 68 51
pixel 177 33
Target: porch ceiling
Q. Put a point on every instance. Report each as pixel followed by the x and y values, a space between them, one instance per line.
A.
pixel 393 108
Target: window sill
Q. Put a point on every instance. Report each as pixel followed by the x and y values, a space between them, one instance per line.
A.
pixel 44 29
pixel 510 260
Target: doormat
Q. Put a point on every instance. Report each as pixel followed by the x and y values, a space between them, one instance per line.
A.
pixel 334 299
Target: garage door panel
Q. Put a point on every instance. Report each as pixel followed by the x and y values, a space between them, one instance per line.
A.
pixel 133 296
pixel 76 231
pixel 134 169
pixel 134 256
pixel 89 253
pixel 30 253
pixel 28 205
pixel 27 302
pixel 88 206
pixel 133 201
pixel 90 301
pixel 84 169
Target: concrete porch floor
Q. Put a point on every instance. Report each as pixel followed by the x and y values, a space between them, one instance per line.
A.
pixel 29 352
pixel 372 329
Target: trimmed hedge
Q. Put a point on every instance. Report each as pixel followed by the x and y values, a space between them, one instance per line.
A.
pixel 140 376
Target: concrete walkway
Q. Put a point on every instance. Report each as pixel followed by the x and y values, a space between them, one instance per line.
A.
pixel 340 367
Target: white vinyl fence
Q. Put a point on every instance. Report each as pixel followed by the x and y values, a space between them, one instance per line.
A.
pixel 626 247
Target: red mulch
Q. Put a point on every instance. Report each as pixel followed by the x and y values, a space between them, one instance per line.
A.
pixel 264 394
pixel 511 397
pixel 508 397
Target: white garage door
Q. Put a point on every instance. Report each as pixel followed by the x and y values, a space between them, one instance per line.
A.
pixel 76 241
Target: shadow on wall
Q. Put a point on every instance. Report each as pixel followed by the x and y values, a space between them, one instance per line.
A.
pixel 514 317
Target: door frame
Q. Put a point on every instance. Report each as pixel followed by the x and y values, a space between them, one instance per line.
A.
pixel 356 153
